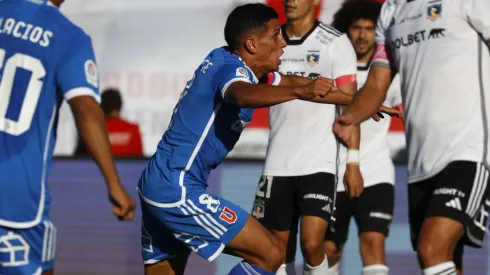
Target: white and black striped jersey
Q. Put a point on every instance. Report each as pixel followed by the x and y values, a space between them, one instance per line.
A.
pixel 301 140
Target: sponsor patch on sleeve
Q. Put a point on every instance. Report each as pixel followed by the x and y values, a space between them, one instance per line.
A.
pixel 242 72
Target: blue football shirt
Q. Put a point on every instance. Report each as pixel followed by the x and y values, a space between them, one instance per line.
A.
pixel 44 58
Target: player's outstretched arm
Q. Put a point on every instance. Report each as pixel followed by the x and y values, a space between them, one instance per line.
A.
pixel 369 98
pixel 335 96
pixel 247 95
pixel 91 126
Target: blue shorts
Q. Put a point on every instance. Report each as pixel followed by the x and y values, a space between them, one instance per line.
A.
pixel 203 223
pixel 28 251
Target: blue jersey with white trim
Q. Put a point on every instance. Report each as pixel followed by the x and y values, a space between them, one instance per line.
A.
pixel 44 58
pixel 202 131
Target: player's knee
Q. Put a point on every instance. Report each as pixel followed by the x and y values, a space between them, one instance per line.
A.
pixel 312 246
pixel 429 249
pixel 333 251
pixel 372 242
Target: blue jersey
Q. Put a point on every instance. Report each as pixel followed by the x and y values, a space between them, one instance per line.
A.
pixel 202 131
pixel 44 58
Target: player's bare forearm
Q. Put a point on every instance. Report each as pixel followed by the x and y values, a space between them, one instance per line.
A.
pixel 91 126
pixel 336 97
pixel 248 95
pixel 370 97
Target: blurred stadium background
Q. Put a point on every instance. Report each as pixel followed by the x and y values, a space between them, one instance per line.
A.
pixel 148 49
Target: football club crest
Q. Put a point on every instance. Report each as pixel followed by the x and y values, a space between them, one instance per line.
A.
pixel 313 58
pixel 434 12
pixel 258 209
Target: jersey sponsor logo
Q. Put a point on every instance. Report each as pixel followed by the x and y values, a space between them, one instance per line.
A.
pixel 228 216
pixel 312 58
pixel 210 203
pixel 417 37
pixel 317 197
pixel 14 250
pixel 258 209
pixel 293 60
pixel 91 73
pixel 434 11
pixel 380 215
pixel 242 72
pixel 411 18
pixel 435 33
pixel 304 74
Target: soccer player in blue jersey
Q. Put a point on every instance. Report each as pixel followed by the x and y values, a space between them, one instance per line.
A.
pixel 179 216
pixel 44 59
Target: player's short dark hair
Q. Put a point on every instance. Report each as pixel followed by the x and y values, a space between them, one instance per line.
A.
pixel 246 18
pixel 110 100
pixel 354 10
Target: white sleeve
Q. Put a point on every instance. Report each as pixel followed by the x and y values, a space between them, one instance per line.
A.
pixel 478 14
pixel 395 91
pixel 344 61
pixel 381 57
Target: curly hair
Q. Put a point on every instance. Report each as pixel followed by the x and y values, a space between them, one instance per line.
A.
pixel 353 10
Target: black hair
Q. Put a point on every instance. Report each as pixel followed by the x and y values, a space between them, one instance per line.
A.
pixel 353 10
pixel 111 100
pixel 248 17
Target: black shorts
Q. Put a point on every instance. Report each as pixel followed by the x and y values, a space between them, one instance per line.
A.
pixel 280 201
pixel 373 211
pixel 459 192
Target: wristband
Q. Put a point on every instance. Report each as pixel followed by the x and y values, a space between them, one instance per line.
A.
pixel 353 156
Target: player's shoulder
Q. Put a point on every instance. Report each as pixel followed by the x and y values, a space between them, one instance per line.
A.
pixel 331 31
pixel 326 35
pixel 222 57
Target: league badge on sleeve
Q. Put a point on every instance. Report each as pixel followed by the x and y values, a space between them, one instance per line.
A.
pixel 241 72
pixel 91 73
pixel 434 12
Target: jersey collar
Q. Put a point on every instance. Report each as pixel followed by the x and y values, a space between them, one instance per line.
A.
pixel 297 41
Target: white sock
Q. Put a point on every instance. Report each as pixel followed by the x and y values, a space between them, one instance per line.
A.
pixel 321 269
pixel 447 268
pixel 334 270
pixel 287 269
pixel 375 269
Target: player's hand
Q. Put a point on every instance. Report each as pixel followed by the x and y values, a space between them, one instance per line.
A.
pixel 343 127
pixel 318 87
pixel 353 181
pixel 123 206
pixel 389 111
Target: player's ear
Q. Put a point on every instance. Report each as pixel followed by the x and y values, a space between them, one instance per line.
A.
pixel 250 45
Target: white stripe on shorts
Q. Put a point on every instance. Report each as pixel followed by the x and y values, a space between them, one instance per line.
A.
pixel 477 190
pixel 211 218
pixel 197 220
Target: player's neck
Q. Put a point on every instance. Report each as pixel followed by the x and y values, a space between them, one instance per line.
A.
pixel 300 27
pixel 364 59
